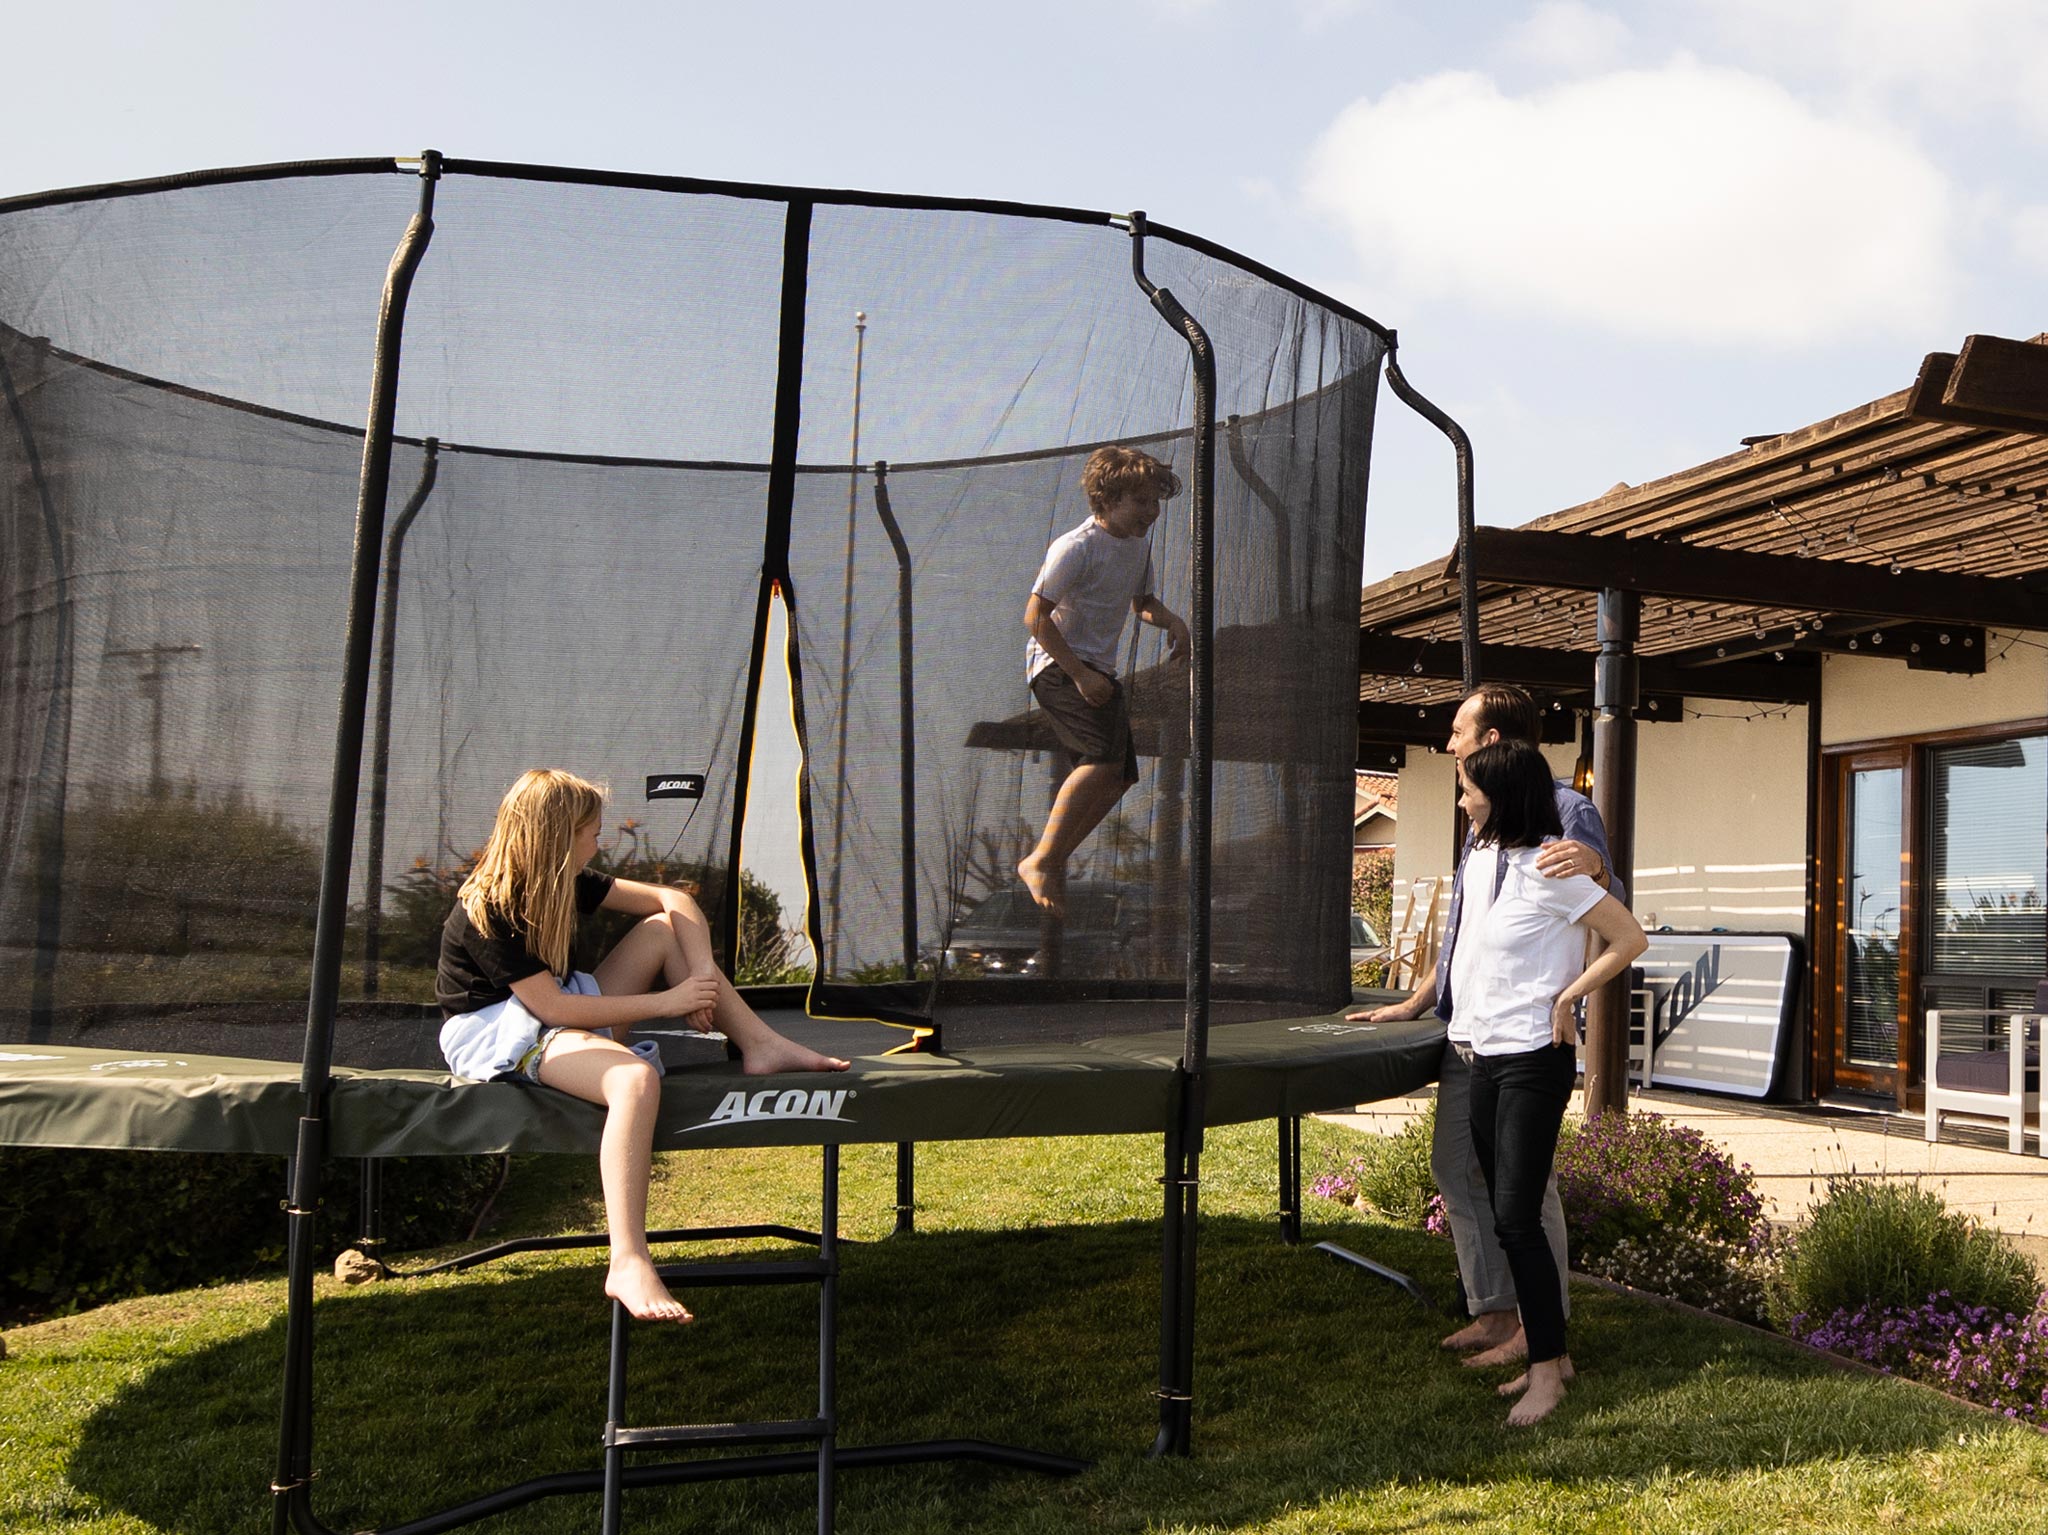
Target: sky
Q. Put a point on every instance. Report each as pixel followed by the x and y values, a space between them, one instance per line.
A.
pixel 1614 239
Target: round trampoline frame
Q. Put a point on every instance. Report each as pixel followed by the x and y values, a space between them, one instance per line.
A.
pixel 1184 1061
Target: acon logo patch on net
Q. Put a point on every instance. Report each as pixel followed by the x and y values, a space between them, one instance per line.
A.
pixel 740 1107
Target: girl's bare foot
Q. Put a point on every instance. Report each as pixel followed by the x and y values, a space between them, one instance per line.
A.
pixel 1510 1350
pixel 1542 1395
pixel 1520 1383
pixel 1484 1330
pixel 634 1284
pixel 774 1053
pixel 1045 884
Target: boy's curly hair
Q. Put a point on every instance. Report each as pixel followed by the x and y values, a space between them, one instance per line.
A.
pixel 1114 473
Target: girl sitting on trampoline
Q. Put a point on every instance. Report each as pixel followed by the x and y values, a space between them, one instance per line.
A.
pixel 513 1008
pixel 1518 972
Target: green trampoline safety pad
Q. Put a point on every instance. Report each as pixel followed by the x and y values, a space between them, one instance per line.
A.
pixel 71 1096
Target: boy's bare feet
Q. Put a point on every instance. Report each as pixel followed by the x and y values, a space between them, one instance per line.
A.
pixel 774 1053
pixel 1541 1396
pixel 1513 1348
pixel 1046 882
pixel 1483 1331
pixel 1520 1383
pixel 633 1283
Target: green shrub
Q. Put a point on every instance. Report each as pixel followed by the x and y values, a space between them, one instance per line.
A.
pixel 1390 1173
pixel 1372 888
pixel 1634 1176
pixel 78 1228
pixel 1660 1207
pixel 1895 1244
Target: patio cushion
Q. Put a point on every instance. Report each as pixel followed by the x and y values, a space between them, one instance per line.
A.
pixel 1984 1071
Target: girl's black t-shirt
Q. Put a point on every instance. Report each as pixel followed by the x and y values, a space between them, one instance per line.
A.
pixel 477 969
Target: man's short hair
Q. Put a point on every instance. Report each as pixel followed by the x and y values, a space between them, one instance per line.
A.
pixel 1114 473
pixel 1508 709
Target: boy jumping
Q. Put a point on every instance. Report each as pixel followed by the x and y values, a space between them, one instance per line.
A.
pixel 1076 620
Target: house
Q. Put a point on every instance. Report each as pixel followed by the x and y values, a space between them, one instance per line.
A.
pixel 1822 692
pixel 1375 806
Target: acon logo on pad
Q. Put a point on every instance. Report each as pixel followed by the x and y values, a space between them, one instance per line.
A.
pixel 740 1107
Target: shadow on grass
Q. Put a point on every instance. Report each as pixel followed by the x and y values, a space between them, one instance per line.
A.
pixel 1312 1381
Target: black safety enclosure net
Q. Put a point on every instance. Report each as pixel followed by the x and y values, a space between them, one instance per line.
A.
pixel 632 416
pixel 334 496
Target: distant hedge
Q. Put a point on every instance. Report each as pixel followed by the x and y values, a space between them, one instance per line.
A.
pixel 79 1228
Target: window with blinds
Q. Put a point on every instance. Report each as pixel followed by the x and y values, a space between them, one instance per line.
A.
pixel 1988 860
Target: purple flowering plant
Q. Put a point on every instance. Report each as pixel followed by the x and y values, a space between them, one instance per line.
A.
pixel 1974 1352
pixel 1636 1177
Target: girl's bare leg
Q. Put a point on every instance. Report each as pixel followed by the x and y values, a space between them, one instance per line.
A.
pixel 669 948
pixel 598 1069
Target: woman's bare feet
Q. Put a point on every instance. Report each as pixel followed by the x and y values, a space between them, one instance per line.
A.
pixel 634 1284
pixel 1510 1350
pixel 773 1053
pixel 1486 1330
pixel 1541 1394
pixel 1520 1383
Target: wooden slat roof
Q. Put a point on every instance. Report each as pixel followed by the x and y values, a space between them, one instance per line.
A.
pixel 1875 486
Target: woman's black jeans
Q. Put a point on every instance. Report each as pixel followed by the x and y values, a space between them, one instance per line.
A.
pixel 1518 1103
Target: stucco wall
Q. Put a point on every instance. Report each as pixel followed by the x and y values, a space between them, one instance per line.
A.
pixel 1720 821
pixel 1872 700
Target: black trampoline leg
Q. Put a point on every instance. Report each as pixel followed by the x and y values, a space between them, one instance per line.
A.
pixel 906 1188
pixel 615 1419
pixel 370 1237
pixel 1290 1179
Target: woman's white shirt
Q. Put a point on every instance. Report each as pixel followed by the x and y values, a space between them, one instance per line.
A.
pixel 1515 950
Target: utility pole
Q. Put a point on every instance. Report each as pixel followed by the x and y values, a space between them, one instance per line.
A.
pixel 149 682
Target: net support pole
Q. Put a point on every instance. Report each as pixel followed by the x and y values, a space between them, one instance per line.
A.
pixel 1615 691
pixel 292 1488
pixel 1468 577
pixel 781 507
pixel 1184 1142
pixel 380 735
pixel 906 721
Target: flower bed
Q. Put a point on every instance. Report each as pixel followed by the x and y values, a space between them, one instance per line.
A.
pixel 1658 1207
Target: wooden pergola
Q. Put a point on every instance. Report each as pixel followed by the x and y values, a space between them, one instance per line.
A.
pixel 1902 529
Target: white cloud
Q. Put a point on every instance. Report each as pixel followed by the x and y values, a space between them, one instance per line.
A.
pixel 1956 59
pixel 1683 203
pixel 1568 37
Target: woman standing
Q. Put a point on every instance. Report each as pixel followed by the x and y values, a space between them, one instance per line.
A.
pixel 1519 972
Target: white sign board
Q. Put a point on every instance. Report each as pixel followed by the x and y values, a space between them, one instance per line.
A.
pixel 1722 1008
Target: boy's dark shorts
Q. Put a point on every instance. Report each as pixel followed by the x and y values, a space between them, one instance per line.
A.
pixel 1089 734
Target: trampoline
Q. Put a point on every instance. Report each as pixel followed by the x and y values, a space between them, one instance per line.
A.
pixel 614 422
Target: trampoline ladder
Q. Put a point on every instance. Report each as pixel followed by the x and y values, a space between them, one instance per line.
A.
pixel 823 1271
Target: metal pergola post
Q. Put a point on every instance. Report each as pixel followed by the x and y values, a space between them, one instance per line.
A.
pixel 1615 687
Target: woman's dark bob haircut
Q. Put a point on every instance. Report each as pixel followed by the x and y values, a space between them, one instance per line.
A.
pixel 1521 796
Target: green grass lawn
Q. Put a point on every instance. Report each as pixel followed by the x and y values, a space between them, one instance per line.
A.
pixel 1025 1310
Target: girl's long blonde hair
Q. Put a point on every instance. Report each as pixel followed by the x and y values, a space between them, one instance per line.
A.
pixel 526 875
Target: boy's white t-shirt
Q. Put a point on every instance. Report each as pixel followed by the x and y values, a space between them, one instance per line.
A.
pixel 1515 952
pixel 1091 577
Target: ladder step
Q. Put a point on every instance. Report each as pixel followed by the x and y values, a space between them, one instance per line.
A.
pixel 794 1271
pixel 794 1430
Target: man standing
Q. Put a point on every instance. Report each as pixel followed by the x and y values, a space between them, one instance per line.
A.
pixel 1493 712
